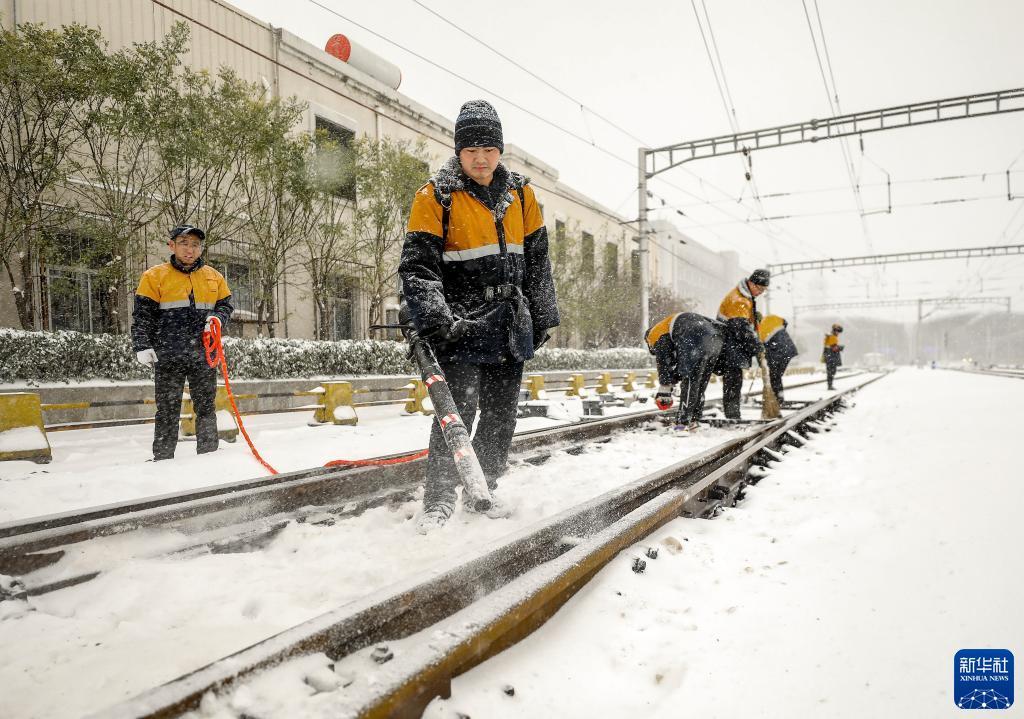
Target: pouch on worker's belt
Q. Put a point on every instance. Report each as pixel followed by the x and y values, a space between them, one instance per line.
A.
pixel 520 327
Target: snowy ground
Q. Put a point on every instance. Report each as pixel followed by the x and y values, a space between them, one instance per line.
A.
pixel 842 587
pixel 151 619
pixel 92 467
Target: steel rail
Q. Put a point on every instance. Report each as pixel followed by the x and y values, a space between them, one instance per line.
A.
pixel 40 533
pixel 553 559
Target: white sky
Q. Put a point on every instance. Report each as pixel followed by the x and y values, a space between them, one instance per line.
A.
pixel 648 71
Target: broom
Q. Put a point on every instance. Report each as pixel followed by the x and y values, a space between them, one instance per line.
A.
pixel 770 404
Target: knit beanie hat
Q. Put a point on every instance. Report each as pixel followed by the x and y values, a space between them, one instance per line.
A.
pixel 478 126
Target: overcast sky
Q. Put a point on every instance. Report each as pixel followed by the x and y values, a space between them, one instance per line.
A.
pixel 648 71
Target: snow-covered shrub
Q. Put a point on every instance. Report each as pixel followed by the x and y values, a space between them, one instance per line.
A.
pixel 63 356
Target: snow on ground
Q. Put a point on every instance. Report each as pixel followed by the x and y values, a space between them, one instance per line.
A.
pixel 149 620
pixel 92 467
pixel 842 587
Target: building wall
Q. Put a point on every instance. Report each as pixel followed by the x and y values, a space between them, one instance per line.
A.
pixel 222 35
pixel 691 270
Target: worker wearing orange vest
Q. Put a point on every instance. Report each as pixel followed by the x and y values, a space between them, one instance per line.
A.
pixel 832 354
pixel 685 347
pixel 741 342
pixel 477 280
pixel 779 349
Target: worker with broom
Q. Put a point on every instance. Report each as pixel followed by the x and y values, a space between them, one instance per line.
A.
pixel 741 343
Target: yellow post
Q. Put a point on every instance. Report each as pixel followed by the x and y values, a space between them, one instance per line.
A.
pixel 419 398
pixel 535 383
pixel 576 386
pixel 336 404
pixel 22 434
pixel 652 379
pixel 220 404
pixel 604 383
pixel 629 382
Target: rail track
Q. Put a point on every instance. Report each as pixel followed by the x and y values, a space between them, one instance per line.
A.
pixel 240 516
pixel 474 608
pixel 995 372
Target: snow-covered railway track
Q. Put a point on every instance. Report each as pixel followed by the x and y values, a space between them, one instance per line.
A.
pixel 388 654
pixel 996 372
pixel 240 516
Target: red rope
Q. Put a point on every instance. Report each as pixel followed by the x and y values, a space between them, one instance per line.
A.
pixel 377 462
pixel 215 357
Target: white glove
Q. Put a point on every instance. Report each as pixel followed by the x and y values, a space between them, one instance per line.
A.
pixel 146 357
pixel 210 322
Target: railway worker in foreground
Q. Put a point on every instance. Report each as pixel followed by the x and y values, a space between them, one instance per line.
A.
pixel 477 281
pixel 832 354
pixel 174 304
pixel 779 349
pixel 741 342
pixel 685 347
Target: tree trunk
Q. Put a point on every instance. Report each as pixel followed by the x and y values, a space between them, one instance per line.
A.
pixel 271 327
pixel 23 300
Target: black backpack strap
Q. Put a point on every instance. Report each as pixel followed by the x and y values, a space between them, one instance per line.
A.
pixel 446 213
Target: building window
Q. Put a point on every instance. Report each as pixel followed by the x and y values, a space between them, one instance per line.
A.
pixel 76 295
pixel 76 300
pixel 238 275
pixel 611 260
pixel 339 305
pixel 560 242
pixel 336 158
pixel 587 252
pixel 634 267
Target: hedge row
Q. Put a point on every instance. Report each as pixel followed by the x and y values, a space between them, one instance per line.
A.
pixel 65 356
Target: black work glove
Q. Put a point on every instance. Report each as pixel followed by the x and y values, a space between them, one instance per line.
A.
pixel 447 333
pixel 840 348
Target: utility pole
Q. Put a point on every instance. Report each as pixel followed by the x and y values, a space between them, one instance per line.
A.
pixel 645 276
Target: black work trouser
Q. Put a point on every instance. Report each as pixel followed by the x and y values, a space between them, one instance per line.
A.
pixel 494 390
pixel 691 393
pixel 732 391
pixel 830 372
pixel 775 371
pixel 202 386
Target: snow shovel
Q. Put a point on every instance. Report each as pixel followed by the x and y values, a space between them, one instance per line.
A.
pixel 770 404
pixel 456 436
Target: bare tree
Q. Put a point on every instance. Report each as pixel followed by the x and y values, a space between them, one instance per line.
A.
pixel 388 173
pixel 201 137
pixel 45 75
pixel 277 183
pixel 119 175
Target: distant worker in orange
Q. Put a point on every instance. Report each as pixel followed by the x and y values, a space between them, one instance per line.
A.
pixel 832 355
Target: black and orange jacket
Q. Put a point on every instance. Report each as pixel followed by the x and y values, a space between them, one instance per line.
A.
pixel 778 345
pixel 489 265
pixel 832 350
pixel 685 346
pixel 171 307
pixel 660 343
pixel 737 311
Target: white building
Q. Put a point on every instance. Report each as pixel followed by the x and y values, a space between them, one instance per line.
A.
pixel 690 270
